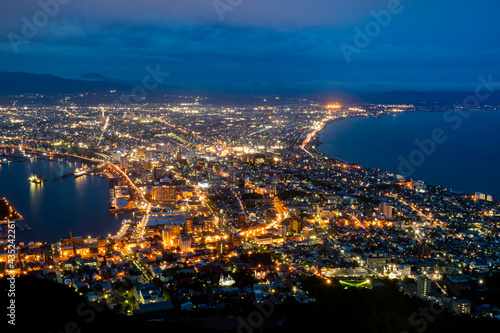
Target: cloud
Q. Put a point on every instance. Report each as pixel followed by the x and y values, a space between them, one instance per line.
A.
pixel 257 13
pixel 292 42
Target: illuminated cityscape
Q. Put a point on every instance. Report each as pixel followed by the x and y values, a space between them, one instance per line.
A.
pixel 212 200
pixel 228 212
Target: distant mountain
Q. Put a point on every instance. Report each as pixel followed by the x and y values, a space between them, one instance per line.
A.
pixel 99 85
pixel 25 83
pixel 99 77
pixel 93 76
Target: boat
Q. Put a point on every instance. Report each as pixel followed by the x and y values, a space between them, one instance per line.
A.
pixel 80 172
pixel 37 179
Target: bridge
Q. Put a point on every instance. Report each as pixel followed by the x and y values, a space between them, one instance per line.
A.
pixel 45 153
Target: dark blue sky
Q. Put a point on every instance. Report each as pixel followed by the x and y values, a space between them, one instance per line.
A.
pixel 428 44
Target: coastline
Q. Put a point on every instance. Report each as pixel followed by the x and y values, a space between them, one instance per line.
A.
pixel 316 141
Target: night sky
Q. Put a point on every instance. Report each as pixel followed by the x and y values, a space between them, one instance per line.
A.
pixel 244 44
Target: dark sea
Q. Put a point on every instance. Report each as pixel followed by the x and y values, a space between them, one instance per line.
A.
pixel 453 150
pixel 53 209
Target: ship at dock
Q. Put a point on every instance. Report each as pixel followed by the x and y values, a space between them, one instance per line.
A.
pixel 37 179
pixel 82 171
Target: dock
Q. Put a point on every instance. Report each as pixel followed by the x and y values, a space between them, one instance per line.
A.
pixel 77 173
pixel 63 176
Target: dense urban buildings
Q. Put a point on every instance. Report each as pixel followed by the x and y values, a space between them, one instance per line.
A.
pixel 235 205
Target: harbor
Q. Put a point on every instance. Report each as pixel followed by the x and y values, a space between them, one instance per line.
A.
pixel 9 214
pixel 78 203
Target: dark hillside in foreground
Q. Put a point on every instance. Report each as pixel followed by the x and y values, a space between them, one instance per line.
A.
pixel 47 306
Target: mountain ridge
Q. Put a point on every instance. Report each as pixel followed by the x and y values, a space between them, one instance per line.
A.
pixel 20 83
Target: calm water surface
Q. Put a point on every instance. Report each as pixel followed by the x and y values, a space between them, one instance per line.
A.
pixel 468 160
pixel 54 208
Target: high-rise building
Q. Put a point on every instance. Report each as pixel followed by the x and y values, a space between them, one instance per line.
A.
pixel 164 193
pixel 234 239
pixel 241 218
pixel 170 234
pixel 185 243
pixel 219 247
pixel 151 165
pixel 423 286
pixel 149 155
pixel 188 225
pixel 282 230
pixel 385 209
pixel 296 225
pixel 271 189
pixel 123 162
pixel 116 156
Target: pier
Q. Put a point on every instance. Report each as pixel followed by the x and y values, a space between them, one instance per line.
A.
pixel 63 176
pixel 77 173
